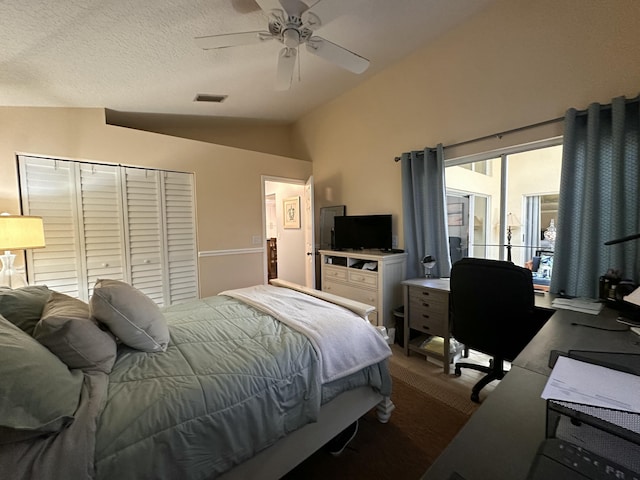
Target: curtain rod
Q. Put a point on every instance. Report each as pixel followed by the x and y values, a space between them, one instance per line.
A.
pixel 500 134
pixel 533 125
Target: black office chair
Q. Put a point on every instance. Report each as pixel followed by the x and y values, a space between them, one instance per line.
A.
pixel 492 311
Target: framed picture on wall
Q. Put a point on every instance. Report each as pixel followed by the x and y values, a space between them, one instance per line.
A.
pixel 455 214
pixel 291 211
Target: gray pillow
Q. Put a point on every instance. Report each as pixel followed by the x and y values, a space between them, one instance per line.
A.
pixel 68 331
pixel 23 306
pixel 130 315
pixel 39 393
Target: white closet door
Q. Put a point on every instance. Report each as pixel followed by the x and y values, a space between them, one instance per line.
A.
pixel 180 220
pixel 144 226
pixel 48 190
pixel 102 218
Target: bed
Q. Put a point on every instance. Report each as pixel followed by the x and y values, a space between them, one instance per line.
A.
pixel 246 384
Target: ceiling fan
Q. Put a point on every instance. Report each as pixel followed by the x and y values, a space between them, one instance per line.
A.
pixel 292 23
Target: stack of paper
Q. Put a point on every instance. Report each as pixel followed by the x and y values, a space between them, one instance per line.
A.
pixel 584 305
pixel 579 382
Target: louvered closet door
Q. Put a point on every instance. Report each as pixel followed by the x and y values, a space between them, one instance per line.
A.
pixel 48 190
pixel 102 218
pixel 143 206
pixel 180 222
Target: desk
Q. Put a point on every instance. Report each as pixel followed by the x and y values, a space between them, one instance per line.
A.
pixel 426 309
pixel 501 439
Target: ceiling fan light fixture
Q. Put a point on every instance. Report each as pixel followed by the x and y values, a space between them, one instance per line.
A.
pixel 209 98
pixel 291 37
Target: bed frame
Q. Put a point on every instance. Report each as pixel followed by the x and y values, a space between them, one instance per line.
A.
pixel 335 416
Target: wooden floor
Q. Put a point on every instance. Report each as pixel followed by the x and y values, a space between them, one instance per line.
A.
pixel 432 371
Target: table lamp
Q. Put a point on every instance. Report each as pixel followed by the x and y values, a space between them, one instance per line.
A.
pixel 17 232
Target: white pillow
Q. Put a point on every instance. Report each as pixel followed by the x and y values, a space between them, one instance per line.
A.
pixel 130 315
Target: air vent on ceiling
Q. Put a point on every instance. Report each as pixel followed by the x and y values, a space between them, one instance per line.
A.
pixel 204 97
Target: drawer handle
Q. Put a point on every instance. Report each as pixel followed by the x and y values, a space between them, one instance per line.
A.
pixel 425 315
pixel 424 304
pixel 426 327
pixel 424 292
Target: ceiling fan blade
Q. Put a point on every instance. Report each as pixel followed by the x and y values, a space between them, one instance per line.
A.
pixel 336 54
pixel 286 64
pixel 245 6
pixel 321 13
pixel 324 11
pixel 232 39
pixel 269 5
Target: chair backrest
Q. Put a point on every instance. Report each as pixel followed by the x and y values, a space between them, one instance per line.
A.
pixel 492 304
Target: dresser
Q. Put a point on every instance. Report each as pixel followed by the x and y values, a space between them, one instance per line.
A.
pixel 426 313
pixel 367 276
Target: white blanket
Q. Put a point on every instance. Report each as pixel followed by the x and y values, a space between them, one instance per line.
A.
pixel 344 341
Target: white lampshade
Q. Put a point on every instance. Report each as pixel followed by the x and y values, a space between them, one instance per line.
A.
pixel 19 232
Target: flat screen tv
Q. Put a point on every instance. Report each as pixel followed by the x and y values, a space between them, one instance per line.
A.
pixel 362 231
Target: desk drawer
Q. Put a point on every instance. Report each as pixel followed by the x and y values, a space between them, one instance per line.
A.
pixel 429 313
pixel 431 297
pixel 427 322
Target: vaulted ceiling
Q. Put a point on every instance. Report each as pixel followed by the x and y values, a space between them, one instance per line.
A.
pixel 141 56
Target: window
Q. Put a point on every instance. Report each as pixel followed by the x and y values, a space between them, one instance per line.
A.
pixel 511 198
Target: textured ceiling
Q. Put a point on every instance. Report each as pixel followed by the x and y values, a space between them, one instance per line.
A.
pixel 140 55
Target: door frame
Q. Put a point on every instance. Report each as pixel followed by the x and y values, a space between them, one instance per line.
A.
pixel 291 181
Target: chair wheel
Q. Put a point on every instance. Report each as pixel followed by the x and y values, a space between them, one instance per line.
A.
pixel 457 372
pixel 475 397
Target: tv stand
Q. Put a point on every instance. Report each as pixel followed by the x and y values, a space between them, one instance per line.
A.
pixel 368 276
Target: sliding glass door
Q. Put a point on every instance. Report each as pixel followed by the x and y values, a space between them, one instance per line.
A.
pixel 500 204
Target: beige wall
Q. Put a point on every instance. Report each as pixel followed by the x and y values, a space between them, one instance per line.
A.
pixel 259 136
pixel 515 64
pixel 228 180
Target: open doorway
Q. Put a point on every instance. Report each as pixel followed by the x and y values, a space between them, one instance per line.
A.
pixel 287 218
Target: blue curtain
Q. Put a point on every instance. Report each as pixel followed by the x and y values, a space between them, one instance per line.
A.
pixel 424 211
pixel 598 197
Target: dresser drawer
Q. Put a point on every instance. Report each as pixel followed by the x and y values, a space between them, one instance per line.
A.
pixel 365 279
pixel 335 273
pixel 344 290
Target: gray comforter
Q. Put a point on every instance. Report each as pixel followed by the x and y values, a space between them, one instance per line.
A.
pixel 225 389
pixel 232 382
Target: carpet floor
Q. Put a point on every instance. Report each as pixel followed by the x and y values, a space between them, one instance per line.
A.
pixel 420 427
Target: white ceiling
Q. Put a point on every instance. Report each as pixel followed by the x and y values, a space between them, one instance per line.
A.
pixel 140 55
